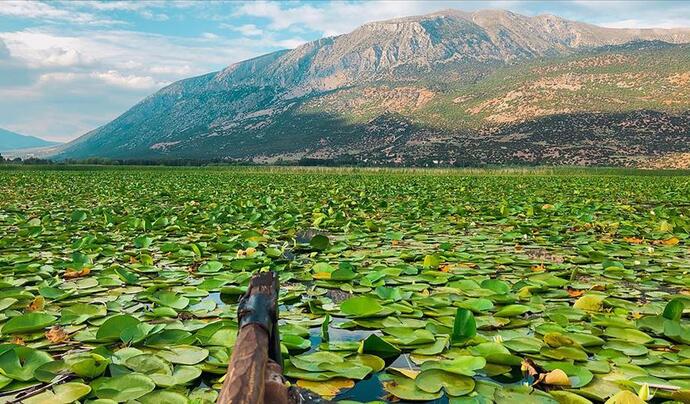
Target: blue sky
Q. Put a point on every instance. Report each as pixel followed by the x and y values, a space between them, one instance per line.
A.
pixel 67 67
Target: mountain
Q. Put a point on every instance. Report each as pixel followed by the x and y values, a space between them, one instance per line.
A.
pixel 487 87
pixel 14 141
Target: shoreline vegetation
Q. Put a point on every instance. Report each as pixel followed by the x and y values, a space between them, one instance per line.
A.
pixel 298 169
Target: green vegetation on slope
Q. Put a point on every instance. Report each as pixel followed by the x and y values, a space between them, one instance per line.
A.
pixel 639 76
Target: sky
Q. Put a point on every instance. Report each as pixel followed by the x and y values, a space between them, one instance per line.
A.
pixel 67 67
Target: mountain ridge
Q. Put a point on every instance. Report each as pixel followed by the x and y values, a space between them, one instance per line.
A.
pixel 11 141
pixel 423 58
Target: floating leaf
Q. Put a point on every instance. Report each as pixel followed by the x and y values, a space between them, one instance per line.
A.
pixel 460 365
pixel 464 326
pixel 433 380
pixel 406 389
pixel 625 397
pixel 27 323
pixel 674 309
pixel 19 362
pixel 86 364
pixel 124 387
pixel 319 242
pixel 360 306
pixel 114 326
pixel 589 302
pixel 374 345
pixel 327 389
pixel 211 266
pixel 60 394
pixel 184 354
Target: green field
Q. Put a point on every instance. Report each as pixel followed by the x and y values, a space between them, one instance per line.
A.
pixel 121 283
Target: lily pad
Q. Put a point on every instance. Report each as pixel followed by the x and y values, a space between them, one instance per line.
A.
pixel 360 306
pixel 124 387
pixel 27 323
pixel 433 380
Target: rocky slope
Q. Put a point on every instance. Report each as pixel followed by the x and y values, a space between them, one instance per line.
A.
pixel 437 87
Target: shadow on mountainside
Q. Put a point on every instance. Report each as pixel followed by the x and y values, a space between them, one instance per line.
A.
pixel 607 139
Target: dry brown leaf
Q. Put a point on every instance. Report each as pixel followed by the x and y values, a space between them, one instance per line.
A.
pixel 18 341
pixel 73 273
pixel 557 377
pixel 575 292
pixel 56 334
pixel 37 304
pixel 407 372
pixel 671 241
pixel 327 388
pixel 538 268
pixel 633 240
pixel 193 267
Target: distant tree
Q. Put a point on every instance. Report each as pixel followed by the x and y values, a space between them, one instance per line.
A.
pixel 2 159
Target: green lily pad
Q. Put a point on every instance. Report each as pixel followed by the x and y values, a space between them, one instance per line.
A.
pixel 27 323
pixel 433 380
pixel 20 362
pixel 184 354
pixel 406 389
pixel 65 393
pixel 464 326
pixel 461 365
pixel 375 345
pixel 124 387
pixel 360 306
pixel 180 375
pixel 113 327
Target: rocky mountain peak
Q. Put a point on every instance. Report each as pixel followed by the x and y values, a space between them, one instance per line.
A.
pixel 399 65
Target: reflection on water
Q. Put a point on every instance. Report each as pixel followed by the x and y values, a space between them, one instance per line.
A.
pixel 222 300
pixel 370 388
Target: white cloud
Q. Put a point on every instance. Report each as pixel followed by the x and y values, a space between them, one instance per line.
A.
pixel 209 35
pixel 638 23
pixel 45 11
pixel 60 77
pixel 110 5
pixel 338 17
pixel 146 9
pixel 154 16
pixel 4 51
pixel 174 70
pixel 246 29
pixel 115 78
pixel 93 76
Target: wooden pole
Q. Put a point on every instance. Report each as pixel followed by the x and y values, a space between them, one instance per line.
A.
pixel 244 381
pixel 254 374
pixel 257 339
